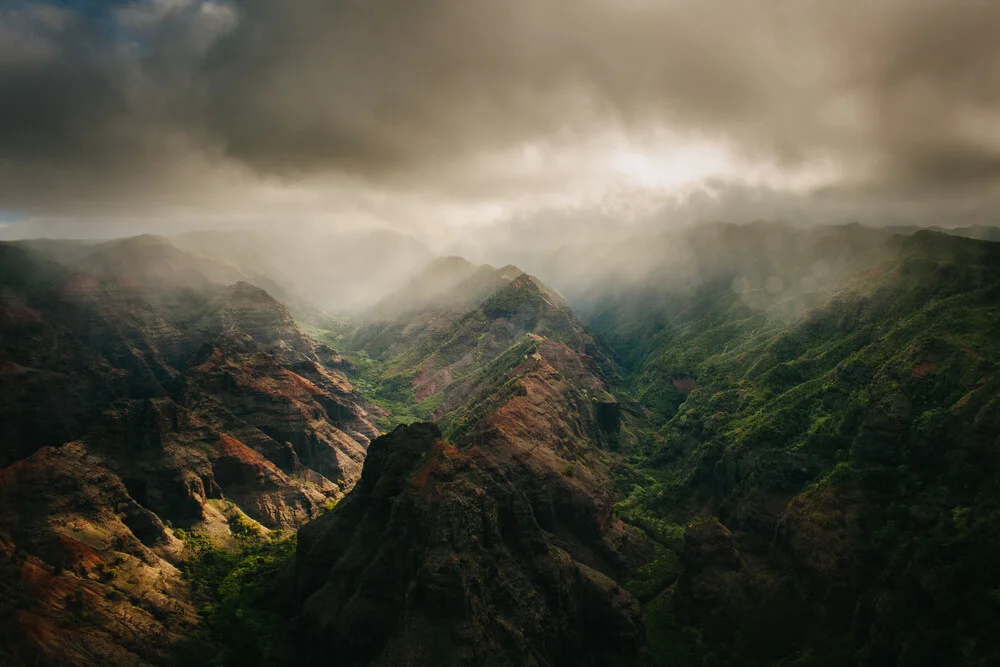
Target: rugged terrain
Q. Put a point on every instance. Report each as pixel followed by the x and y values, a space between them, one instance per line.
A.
pixel 475 554
pixel 421 351
pixel 757 445
pixel 836 448
pixel 494 542
pixel 810 447
pixel 139 391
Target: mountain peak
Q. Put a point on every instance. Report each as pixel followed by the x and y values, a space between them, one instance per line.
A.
pixel 153 261
pixel 449 263
pixel 510 272
pixel 446 283
pixel 457 539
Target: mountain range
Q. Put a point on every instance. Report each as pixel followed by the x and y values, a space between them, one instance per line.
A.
pixel 719 445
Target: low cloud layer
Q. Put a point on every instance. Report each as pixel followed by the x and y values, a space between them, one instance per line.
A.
pixel 414 111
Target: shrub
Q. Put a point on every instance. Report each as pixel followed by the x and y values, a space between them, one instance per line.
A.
pixel 234 588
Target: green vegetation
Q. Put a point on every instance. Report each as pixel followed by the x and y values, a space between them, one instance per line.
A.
pixel 330 504
pixel 392 392
pixel 853 448
pixel 379 381
pixel 492 386
pixel 847 436
pixel 428 362
pixel 115 595
pixel 236 588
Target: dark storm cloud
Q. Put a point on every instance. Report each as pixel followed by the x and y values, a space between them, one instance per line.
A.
pixel 390 86
pixel 935 90
pixel 60 99
pixel 129 99
pixel 86 108
pixel 907 89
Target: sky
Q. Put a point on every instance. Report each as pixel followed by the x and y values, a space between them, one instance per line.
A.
pixel 439 117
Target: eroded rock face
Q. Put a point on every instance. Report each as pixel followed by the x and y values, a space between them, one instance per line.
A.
pixel 307 419
pixel 170 396
pixel 84 571
pixel 174 459
pixel 154 377
pixel 438 557
pixel 496 544
pixel 455 319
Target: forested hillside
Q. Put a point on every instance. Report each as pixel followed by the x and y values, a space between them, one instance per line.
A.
pixel 836 472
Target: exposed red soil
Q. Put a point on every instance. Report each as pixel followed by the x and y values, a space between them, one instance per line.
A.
pixel 684 385
pixel 80 556
pixel 209 364
pixel 280 383
pixel 235 449
pixel 424 384
pixel 12 312
pixel 39 630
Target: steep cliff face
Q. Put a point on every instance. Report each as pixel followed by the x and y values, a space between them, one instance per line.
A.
pixel 814 482
pixel 219 358
pixel 53 382
pixel 299 414
pixel 173 459
pixel 440 557
pixel 499 546
pixel 494 539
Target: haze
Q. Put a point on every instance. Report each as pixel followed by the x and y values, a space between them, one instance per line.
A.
pixel 483 333
pixel 439 118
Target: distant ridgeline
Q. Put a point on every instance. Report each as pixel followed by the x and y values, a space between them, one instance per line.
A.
pixel 758 445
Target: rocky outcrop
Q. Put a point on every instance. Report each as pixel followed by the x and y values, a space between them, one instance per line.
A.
pixel 711 565
pixel 174 459
pixel 497 547
pixel 439 557
pixel 264 322
pixel 301 425
pixel 437 334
